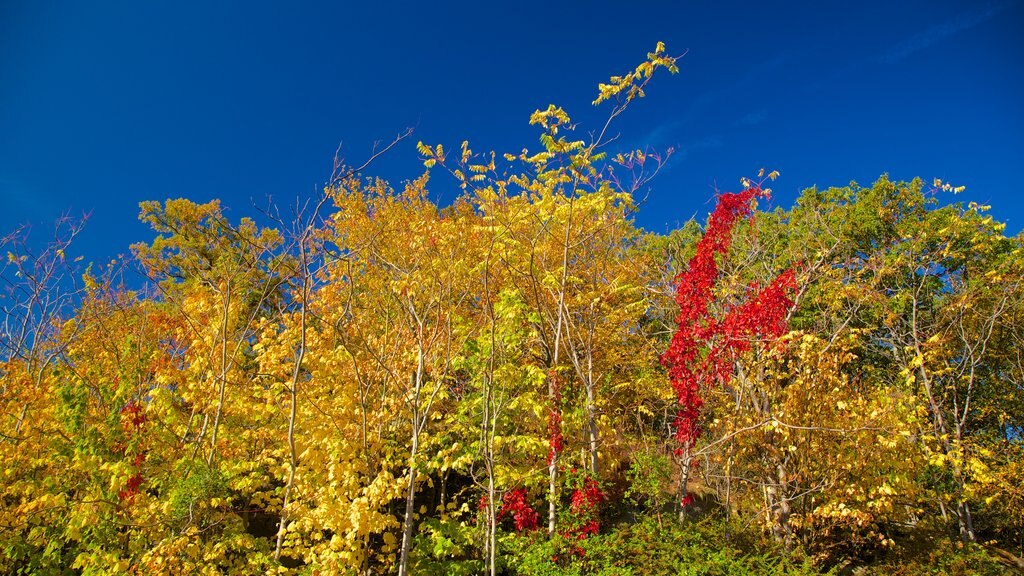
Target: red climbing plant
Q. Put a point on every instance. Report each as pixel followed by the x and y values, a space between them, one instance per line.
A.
pixel 515 503
pixel 132 419
pixel 583 517
pixel 583 505
pixel 703 348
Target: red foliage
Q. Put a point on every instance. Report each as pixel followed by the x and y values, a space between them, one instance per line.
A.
pixel 583 505
pixel 132 419
pixel 583 510
pixel 762 315
pixel 131 488
pixel 514 502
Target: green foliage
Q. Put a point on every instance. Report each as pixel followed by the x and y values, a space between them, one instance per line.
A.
pixel 649 476
pixel 192 495
pixel 446 546
pixel 513 338
pixel 935 556
pixel 648 547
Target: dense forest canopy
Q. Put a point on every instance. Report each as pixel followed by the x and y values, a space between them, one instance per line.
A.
pixel 522 381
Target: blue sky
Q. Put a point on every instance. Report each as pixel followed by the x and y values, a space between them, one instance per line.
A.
pixel 103 105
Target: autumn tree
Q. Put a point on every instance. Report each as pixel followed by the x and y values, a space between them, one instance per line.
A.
pixel 704 348
pixel 564 173
pixel 379 382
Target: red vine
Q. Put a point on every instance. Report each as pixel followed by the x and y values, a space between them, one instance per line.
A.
pixel 523 516
pixel 132 419
pixel 763 315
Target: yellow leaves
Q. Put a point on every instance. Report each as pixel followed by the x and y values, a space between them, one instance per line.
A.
pixel 947 187
pixel 420 303
pixel 550 118
pixel 632 83
pixel 606 91
pixel 432 155
pixel 980 471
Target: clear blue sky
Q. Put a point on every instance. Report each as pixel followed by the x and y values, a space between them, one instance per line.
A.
pixel 106 104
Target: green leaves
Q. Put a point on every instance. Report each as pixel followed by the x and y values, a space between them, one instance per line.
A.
pixel 526 314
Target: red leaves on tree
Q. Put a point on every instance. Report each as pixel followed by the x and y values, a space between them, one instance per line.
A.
pixel 132 419
pixel 523 516
pixel 131 488
pixel 514 503
pixel 584 517
pixel 583 505
pixel 762 315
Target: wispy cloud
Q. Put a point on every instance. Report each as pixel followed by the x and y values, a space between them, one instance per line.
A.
pixel 940 31
pixel 709 142
pixel 729 91
pixel 661 135
pixel 667 134
pixel 752 119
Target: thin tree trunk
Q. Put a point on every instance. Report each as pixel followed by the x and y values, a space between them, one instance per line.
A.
pixel 684 480
pixel 552 491
pixel 492 525
pixel 488 431
pixel 728 493
pixel 293 392
pixel 553 464
pixel 781 528
pixel 21 420
pixel 965 522
pixel 223 372
pixel 592 423
pixel 410 496
pixel 489 424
